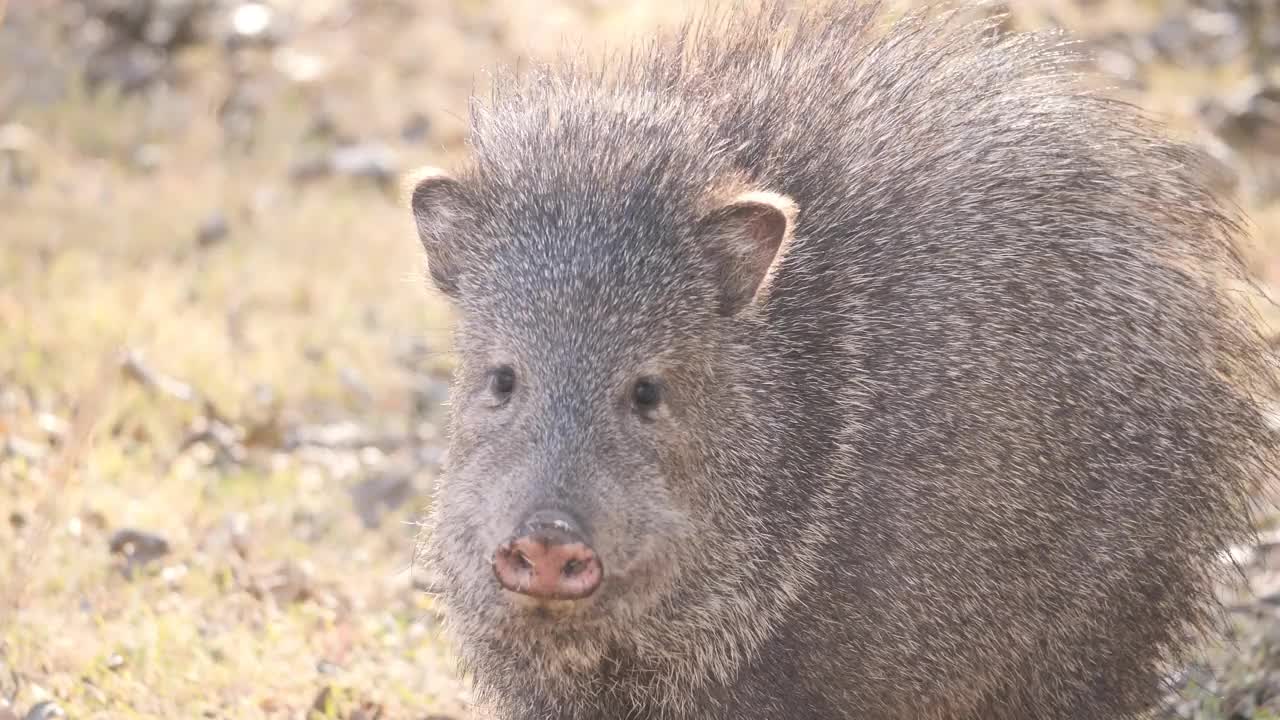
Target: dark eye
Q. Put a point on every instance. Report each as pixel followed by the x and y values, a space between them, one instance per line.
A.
pixel 646 395
pixel 502 382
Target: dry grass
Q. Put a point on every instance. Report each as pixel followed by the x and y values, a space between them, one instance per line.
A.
pixel 86 277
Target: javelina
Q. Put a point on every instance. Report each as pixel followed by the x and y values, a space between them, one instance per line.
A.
pixel 817 367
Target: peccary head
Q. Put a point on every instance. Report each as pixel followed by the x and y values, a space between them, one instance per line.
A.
pixel 592 501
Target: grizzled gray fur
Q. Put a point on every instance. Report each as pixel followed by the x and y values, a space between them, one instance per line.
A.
pixel 813 366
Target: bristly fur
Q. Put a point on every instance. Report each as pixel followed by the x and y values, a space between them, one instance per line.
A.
pixel 973 457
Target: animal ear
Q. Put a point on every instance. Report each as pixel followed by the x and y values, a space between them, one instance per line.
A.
pixel 747 237
pixel 440 210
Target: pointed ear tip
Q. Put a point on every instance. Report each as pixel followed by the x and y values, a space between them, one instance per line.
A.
pixel 777 201
pixel 412 180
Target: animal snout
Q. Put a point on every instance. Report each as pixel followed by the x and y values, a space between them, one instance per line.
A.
pixel 548 559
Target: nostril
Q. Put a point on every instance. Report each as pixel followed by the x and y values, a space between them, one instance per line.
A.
pixel 522 562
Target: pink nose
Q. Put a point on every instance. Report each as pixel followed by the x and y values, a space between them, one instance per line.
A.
pixel 549 560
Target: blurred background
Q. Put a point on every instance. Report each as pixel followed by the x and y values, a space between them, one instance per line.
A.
pixel 222 375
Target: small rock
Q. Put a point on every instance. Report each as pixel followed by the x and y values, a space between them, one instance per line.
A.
pixel 416 128
pixel 138 547
pixel 115 661
pixel 53 426
pixel 23 448
pixel 160 32
pixel 302 68
pixel 372 161
pixel 173 575
pixel 162 24
pixel 131 68
pixel 47 710
pixel 213 229
pixel 344 435
pixel 17 520
pixel 265 399
pixel 1214 24
pixel 253 23
pixel 355 384
pixel 147 157
pixel 214 441
pixel 1119 65
pixel 289 583
pixel 379 495
pixel 135 367
pixel 16 138
pixel 1171 38
pixel 309 168
pixel 237 527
